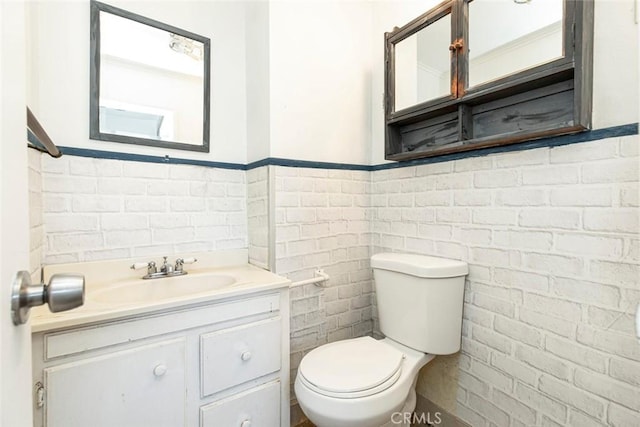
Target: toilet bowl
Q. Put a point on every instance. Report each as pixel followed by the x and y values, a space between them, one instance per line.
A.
pixel 363 382
pixel 359 382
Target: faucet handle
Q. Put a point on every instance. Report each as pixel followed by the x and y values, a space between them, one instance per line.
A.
pixel 181 261
pixel 139 265
pixel 150 266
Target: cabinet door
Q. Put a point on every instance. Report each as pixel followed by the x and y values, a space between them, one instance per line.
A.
pixel 258 407
pixel 143 386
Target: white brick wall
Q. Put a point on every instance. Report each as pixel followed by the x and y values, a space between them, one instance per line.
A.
pixel 36 223
pixel 551 236
pixel 103 209
pixel 322 221
pixel 258 216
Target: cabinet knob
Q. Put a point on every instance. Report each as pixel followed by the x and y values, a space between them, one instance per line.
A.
pixel 246 355
pixel 160 370
pixel 246 423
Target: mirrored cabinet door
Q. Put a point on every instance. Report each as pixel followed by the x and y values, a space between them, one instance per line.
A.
pixel 507 36
pixel 423 65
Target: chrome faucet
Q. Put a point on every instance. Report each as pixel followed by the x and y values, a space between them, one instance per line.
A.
pixel 166 269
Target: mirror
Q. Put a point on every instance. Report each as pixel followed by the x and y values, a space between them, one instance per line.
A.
pixel 423 64
pixel 149 81
pixel 531 36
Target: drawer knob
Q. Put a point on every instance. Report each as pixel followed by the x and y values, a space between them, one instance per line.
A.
pixel 246 423
pixel 246 355
pixel 160 370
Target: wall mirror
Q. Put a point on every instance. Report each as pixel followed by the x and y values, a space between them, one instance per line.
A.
pixel 149 81
pixel 471 74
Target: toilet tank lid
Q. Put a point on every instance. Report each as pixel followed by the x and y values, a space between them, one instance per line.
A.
pixel 420 265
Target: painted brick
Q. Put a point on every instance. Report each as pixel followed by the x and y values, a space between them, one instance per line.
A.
pixel 494 216
pixel 629 196
pixel 491 339
pixel 471 198
pixel 478 315
pixel 580 197
pixel 496 305
pixel 521 197
pixel 615 272
pixel 584 291
pixel 490 256
pixel 514 368
pixel 625 370
pixel 70 223
pixel 432 198
pixel 541 402
pixel 623 170
pixel 608 388
pixel 543 361
pixel 488 410
pixel 567 393
pixel 521 279
pixel 523 239
pixel 473 418
pixel 548 322
pixel 517 331
pixel 561 308
pixel 495 179
pixel 576 153
pixel 549 218
pixel 578 419
pixel 550 175
pixel 123 222
pixel 616 220
pixel 615 343
pixel 619 416
pixel 554 264
pixel 576 353
pixel 613 320
pixel 475 349
pixel 514 408
pixel 584 244
pixel 492 376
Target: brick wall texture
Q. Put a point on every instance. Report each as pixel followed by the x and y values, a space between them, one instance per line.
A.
pixel 551 236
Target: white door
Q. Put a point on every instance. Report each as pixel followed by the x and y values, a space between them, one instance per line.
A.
pixel 15 341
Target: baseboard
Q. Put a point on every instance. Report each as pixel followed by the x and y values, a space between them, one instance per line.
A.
pixel 428 413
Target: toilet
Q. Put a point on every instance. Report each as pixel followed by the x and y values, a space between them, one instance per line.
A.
pixel 363 382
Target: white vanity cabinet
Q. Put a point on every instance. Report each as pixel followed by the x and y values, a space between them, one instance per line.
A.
pixel 223 363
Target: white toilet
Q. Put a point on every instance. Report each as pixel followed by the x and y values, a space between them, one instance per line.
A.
pixel 363 382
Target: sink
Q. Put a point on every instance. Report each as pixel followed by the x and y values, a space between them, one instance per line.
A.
pixel 161 289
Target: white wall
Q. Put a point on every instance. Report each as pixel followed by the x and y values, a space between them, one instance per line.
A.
pixel 59 71
pixel 320 67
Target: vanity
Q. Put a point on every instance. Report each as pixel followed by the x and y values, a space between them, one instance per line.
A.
pixel 210 348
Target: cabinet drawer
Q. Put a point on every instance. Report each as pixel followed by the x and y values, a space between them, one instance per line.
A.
pixel 91 338
pixel 144 386
pixel 236 355
pixel 258 407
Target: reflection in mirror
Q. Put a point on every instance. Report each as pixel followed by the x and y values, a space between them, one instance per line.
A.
pixel 150 85
pixel 422 65
pixel 527 35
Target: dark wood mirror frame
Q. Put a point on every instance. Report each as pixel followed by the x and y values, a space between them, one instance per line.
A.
pixel 550 99
pixel 94 110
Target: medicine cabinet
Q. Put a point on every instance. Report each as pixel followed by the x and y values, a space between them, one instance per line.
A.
pixel 470 74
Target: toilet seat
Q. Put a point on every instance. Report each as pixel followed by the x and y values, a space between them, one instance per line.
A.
pixel 350 369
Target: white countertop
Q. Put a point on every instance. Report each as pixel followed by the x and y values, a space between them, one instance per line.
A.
pixel 249 279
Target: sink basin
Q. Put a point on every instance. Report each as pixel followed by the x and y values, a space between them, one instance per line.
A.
pixel 161 289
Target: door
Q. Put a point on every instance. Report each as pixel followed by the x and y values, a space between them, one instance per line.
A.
pixel 15 341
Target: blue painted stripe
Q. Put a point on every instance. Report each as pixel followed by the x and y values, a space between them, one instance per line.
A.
pixel 556 141
pixel 115 155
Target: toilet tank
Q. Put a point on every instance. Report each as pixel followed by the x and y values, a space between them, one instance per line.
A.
pixel 420 300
